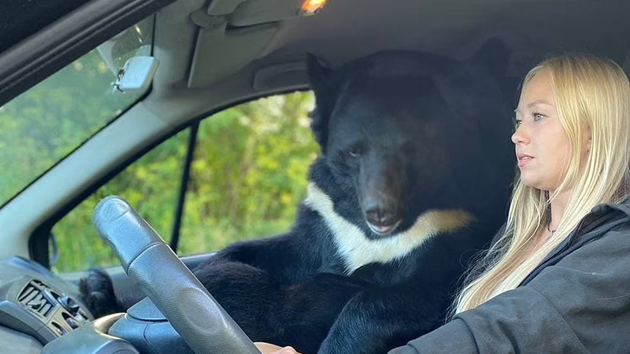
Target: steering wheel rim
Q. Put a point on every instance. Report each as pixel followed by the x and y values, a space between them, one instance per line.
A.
pixel 203 324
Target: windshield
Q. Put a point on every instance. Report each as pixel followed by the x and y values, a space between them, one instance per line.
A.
pixel 46 123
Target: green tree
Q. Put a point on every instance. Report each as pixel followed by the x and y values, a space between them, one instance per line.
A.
pixel 44 124
pixel 249 172
pixel 248 175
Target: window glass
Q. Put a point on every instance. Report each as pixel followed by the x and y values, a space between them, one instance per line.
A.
pixel 248 175
pixel 249 172
pixel 151 185
pixel 47 122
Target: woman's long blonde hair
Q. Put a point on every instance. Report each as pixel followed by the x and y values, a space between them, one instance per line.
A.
pixel 590 93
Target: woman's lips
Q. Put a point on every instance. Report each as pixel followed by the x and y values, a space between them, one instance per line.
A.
pixel 524 159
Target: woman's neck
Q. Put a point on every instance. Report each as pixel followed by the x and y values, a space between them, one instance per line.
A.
pixel 558 206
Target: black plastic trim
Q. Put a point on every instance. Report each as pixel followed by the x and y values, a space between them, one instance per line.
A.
pixel 181 200
pixel 20 19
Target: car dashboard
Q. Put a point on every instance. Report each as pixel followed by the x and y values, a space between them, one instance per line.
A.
pixel 36 306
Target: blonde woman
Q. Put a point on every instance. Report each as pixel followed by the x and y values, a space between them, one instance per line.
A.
pixel 557 279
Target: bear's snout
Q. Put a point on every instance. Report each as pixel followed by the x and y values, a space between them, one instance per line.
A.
pixel 382 187
pixel 382 219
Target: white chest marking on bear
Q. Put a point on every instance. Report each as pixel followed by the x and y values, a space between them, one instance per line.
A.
pixel 358 250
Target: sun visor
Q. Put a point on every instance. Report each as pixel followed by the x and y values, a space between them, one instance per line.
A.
pixel 291 74
pixel 234 32
pixel 220 52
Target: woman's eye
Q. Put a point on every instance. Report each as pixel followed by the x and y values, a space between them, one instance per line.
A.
pixel 538 116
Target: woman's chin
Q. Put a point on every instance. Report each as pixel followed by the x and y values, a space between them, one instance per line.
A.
pixel 530 181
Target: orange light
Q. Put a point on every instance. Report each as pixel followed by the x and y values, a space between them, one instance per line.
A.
pixel 310 7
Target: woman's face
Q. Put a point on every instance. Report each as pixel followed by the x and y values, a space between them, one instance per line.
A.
pixel 542 145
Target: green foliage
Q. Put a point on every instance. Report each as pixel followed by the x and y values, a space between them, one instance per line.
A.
pixel 249 172
pixel 150 185
pixel 44 124
pixel 248 175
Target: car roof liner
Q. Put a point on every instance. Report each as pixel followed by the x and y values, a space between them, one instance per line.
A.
pixel 344 30
pixel 233 33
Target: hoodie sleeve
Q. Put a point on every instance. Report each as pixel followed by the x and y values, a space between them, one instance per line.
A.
pixel 579 305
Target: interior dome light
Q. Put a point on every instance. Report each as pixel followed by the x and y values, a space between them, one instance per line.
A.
pixel 310 7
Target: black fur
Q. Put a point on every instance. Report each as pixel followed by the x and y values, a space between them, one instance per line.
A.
pixel 401 133
pixel 102 299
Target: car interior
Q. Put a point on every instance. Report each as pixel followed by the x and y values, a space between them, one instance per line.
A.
pixel 205 57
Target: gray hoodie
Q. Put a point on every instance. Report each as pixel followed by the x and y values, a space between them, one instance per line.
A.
pixel 577 301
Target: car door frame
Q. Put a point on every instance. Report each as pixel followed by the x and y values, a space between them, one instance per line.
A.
pixel 54 46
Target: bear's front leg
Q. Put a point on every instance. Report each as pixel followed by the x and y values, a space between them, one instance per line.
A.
pixel 311 307
pixel 289 258
pixel 251 296
pixel 378 320
pixel 97 292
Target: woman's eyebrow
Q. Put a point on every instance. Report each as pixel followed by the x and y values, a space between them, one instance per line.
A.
pixel 538 102
pixel 535 103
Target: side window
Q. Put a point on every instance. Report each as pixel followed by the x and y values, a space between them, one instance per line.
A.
pixel 248 174
pixel 43 125
pixel 151 185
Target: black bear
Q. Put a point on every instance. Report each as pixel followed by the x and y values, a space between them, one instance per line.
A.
pixel 412 181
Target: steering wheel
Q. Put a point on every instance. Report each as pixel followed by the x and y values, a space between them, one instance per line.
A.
pixel 203 324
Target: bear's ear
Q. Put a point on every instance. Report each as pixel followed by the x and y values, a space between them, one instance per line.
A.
pixel 494 56
pixel 319 75
pixel 322 80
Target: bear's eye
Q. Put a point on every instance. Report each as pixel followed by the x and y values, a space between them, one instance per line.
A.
pixel 354 151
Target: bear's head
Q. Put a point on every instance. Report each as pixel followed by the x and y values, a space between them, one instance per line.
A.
pixel 402 133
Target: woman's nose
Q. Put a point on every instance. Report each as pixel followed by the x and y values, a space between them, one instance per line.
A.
pixel 520 136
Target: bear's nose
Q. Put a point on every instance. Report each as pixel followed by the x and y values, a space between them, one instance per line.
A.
pixel 381 220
